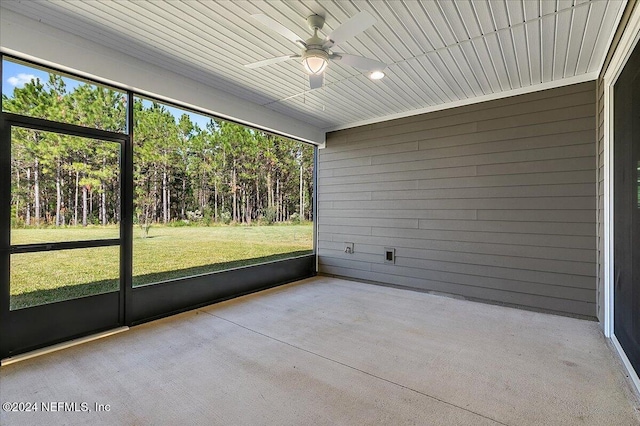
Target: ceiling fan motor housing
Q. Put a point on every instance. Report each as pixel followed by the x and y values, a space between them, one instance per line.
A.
pixel 315 22
pixel 314 56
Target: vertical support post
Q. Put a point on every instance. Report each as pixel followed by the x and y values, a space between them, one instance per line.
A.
pixel 315 204
pixel 5 226
pixel 126 219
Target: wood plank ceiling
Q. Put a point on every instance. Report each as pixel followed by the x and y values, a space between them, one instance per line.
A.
pixel 438 52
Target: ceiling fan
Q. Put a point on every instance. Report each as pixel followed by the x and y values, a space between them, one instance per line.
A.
pixel 316 52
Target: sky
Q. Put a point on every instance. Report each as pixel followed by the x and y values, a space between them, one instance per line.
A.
pixel 17 75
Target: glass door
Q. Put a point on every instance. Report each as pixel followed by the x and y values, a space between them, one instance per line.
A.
pixel 61 248
pixel 627 209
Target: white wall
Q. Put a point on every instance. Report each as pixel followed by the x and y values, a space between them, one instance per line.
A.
pixel 30 39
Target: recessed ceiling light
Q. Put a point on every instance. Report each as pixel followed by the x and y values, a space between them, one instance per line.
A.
pixel 376 75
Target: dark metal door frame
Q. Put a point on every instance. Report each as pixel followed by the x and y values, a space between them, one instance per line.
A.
pixel 42 325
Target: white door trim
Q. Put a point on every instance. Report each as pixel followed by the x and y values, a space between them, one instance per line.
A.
pixel 627 43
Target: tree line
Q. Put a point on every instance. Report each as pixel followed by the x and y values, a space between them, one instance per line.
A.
pixel 183 173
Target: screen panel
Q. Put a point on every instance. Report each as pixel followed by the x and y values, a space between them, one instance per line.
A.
pixel 53 276
pixel 63 188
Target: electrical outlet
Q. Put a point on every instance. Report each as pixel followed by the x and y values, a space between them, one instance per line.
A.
pixel 389 255
pixel 348 248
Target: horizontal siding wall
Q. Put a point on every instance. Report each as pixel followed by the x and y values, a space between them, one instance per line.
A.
pixel 494 201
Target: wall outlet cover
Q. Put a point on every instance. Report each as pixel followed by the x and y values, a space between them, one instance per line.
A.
pixel 389 255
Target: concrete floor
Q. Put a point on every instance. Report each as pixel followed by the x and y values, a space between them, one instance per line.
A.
pixel 329 351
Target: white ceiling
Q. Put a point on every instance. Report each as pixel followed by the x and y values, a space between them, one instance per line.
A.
pixel 438 52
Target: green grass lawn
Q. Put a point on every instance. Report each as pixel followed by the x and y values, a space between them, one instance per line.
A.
pixel 167 253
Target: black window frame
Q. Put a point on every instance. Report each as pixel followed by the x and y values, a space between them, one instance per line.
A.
pixel 143 303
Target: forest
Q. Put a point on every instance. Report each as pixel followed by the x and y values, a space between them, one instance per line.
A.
pixel 184 174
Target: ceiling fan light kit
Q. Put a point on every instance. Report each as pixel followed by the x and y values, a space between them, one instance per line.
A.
pixel 316 52
pixel 315 61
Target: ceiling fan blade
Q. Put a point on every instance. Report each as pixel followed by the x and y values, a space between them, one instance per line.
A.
pixel 358 23
pixel 279 28
pixel 271 61
pixel 315 80
pixel 364 64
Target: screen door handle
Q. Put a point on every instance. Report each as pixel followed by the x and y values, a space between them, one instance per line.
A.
pixel 617 283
